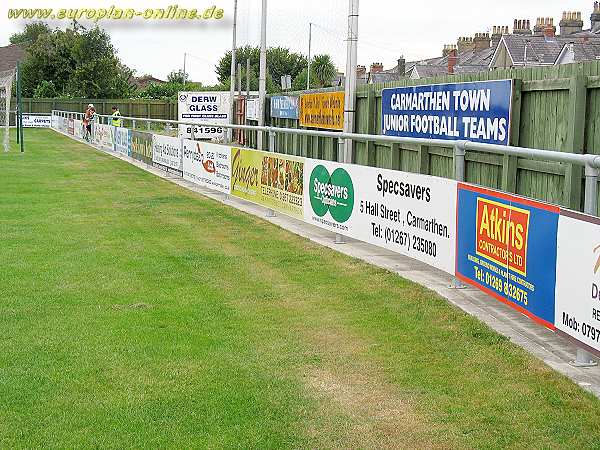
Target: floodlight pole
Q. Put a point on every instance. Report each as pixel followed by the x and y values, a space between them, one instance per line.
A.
pixel 345 145
pixel 229 132
pixel 309 55
pixel 262 80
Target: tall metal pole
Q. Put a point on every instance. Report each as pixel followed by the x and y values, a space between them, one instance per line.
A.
pixel 309 55
pixel 184 77
pixel 247 77
pixel 262 80
pixel 350 85
pixel 232 74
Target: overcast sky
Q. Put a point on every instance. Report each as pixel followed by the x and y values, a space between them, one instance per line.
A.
pixel 387 28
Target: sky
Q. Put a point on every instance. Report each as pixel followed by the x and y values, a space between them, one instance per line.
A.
pixel 387 30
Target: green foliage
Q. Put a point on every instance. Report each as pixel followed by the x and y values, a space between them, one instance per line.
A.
pixel 30 34
pixel 280 61
pixel 79 62
pixel 46 89
pixel 177 76
pixel 323 69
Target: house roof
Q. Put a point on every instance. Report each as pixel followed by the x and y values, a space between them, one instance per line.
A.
pixel 384 77
pixel 585 51
pixel 542 50
pixel 9 56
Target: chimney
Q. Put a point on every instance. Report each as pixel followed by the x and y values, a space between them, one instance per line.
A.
pixel 571 23
pixel 447 49
pixel 376 67
pixel 595 18
pixel 497 33
pixel 465 44
pixel 401 67
pixel 452 61
pixel 522 27
pixel 361 72
pixel 481 41
pixel 549 28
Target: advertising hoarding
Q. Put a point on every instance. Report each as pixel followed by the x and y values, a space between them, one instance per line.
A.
pixel 268 179
pixel 284 107
pixel 506 246
pixel 322 110
pixel 478 111
pixel 407 213
pixel 578 278
pixel 207 164
pixel 207 107
pixel 166 151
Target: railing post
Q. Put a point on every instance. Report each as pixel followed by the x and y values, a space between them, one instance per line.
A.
pixel 133 124
pixel 341 157
pixel 584 358
pixel 272 139
pixel 459 175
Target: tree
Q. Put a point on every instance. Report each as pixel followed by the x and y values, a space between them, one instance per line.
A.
pixel 177 76
pixel 280 61
pixel 30 34
pixel 45 89
pixel 323 70
pixel 79 62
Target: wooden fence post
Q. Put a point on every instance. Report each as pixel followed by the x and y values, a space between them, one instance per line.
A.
pixel 575 140
pixel 371 114
pixel 423 159
pixel 509 163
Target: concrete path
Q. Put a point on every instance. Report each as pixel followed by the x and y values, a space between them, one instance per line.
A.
pixel 553 349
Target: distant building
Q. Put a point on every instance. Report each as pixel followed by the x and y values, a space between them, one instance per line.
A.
pixel 144 81
pixel 10 56
pixel 524 47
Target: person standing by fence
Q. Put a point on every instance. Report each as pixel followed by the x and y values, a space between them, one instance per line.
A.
pixel 116 117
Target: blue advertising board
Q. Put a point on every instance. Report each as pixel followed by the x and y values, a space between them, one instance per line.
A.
pixel 506 246
pixel 284 107
pixel 478 111
pixel 122 140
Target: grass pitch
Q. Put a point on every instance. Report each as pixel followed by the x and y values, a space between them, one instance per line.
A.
pixel 134 313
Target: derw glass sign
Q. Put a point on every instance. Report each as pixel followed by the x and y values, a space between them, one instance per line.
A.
pixel 477 112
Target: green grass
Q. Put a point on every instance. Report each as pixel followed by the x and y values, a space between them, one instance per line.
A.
pixel 134 313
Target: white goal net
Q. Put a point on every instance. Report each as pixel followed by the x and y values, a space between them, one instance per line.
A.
pixel 6 81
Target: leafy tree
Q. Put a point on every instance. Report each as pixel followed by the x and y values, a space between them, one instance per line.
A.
pixel 323 69
pixel 45 89
pixel 79 62
pixel 177 76
pixel 280 61
pixel 30 34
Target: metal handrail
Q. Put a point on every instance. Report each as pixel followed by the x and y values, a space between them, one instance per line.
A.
pixel 587 160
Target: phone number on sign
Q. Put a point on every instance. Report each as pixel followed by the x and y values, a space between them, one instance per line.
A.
pixel 404 239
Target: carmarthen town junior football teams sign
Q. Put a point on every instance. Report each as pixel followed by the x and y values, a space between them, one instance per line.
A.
pixel 478 112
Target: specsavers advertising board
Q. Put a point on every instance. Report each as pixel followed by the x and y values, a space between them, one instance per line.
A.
pixel 268 179
pixel 207 164
pixel 407 213
pixel 507 247
pixel 578 278
pixel 197 107
pixel 166 151
pixel 322 110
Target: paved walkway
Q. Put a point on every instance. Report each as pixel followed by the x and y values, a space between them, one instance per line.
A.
pixel 553 349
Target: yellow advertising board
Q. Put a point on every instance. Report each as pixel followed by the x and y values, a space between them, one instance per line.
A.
pixel 272 180
pixel 322 110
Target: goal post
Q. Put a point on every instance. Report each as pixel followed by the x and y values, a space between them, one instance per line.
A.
pixel 6 81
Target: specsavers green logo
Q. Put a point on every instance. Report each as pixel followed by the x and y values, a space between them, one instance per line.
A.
pixel 333 193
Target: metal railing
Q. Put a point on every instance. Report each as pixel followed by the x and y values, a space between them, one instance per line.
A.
pixel 591 163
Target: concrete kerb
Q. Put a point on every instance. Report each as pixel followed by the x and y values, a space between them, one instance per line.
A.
pixel 553 349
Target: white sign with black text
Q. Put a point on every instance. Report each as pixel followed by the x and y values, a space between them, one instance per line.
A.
pixel 31 121
pixel 166 151
pixel 411 214
pixel 203 107
pixel 207 164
